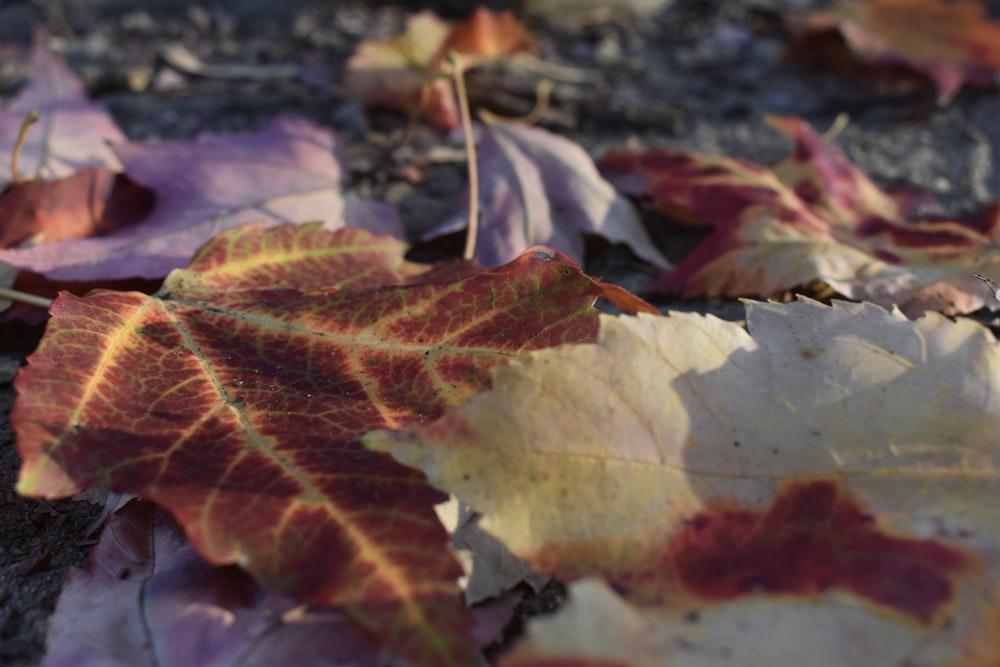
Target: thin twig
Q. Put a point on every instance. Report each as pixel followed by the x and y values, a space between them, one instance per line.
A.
pixel 470 148
pixel 22 134
pixel 24 297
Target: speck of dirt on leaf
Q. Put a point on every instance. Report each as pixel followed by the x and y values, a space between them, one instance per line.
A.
pixel 542 255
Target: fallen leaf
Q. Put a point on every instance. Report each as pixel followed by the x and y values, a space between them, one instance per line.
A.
pixel 394 72
pixel 837 459
pixel 814 216
pixel 72 132
pixel 145 597
pixel 486 36
pixel 91 202
pixel 537 188
pixel 363 260
pixel 289 172
pixel 237 409
pixel 69 142
pixel 305 257
pixel 597 627
pixel 952 43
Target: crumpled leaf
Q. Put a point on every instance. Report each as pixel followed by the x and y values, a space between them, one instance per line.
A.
pixel 814 216
pixel 289 172
pixel 393 72
pixel 237 408
pixel 72 132
pixel 91 202
pixel 837 459
pixel 537 188
pixel 951 42
pixel 146 598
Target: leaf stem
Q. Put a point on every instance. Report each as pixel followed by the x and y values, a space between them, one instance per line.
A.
pixel 838 126
pixel 458 77
pixel 543 92
pixel 22 134
pixel 23 297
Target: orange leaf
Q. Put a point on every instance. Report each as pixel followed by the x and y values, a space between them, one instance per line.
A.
pixel 91 202
pixel 950 42
pixel 394 72
pixel 490 36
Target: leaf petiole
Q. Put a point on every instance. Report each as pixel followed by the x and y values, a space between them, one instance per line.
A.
pixel 542 94
pixel 458 77
pixel 22 134
pixel 24 297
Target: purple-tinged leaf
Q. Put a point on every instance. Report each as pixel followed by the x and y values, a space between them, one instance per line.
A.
pixel 537 188
pixel 145 598
pixel 72 131
pixel 289 172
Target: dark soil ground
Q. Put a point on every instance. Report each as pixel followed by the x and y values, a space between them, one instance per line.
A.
pixel 693 75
